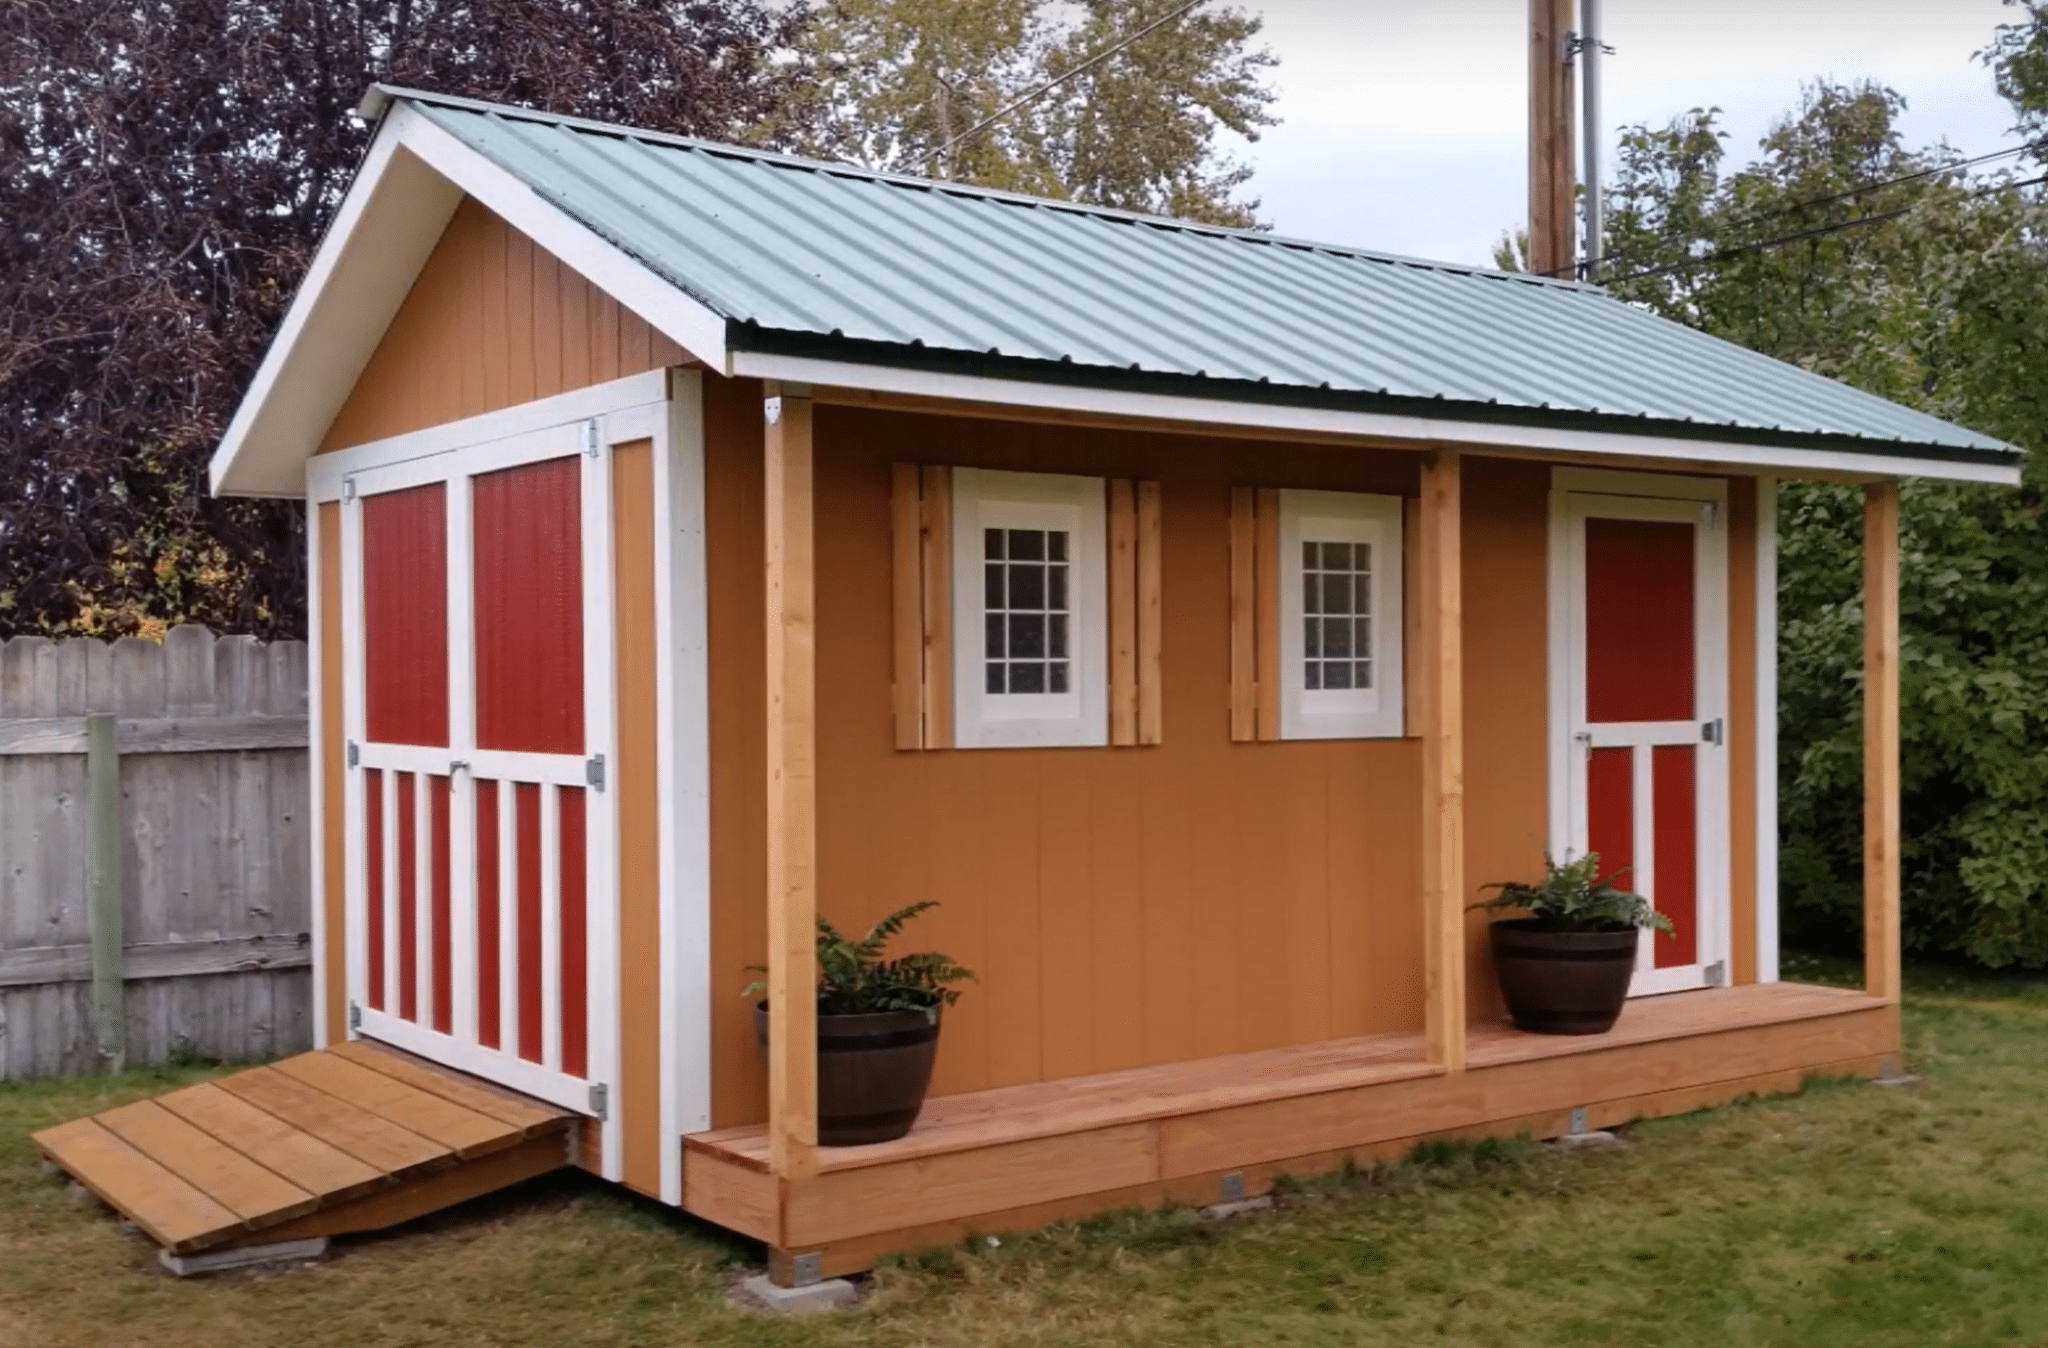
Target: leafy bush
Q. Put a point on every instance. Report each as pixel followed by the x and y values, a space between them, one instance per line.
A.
pixel 1573 897
pixel 854 979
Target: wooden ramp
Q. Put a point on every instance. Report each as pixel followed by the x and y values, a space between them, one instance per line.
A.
pixel 352 1138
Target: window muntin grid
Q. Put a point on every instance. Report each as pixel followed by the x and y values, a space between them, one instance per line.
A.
pixel 1027 611
pixel 1336 615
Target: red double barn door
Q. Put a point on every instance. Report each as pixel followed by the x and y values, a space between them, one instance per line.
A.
pixel 478 719
pixel 1641 702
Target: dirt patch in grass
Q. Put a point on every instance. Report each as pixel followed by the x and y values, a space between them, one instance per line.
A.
pixel 1845 1215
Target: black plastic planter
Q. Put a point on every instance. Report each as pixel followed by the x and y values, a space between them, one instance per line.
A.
pixel 1563 982
pixel 873 1071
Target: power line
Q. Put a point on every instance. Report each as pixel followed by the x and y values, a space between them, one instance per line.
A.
pixel 932 156
pixel 1815 232
pixel 1860 190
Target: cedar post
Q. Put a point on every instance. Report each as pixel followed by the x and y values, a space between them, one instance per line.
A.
pixel 1881 740
pixel 792 790
pixel 1441 690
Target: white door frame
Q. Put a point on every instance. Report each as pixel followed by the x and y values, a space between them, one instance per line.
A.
pixel 1577 494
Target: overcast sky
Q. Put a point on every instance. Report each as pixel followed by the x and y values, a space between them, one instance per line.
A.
pixel 1404 121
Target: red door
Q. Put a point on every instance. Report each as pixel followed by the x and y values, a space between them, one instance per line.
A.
pixel 1643 693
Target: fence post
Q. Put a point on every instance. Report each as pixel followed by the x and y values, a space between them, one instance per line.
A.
pixel 103 889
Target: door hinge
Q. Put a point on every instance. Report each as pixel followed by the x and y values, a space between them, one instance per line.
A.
pixel 348 489
pixel 593 772
pixel 590 439
pixel 1717 974
pixel 353 753
pixel 355 1015
pixel 1710 512
pixel 600 1100
pixel 1711 731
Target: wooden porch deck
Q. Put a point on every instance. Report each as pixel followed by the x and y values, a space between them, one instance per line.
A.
pixel 1022 1156
pixel 351 1138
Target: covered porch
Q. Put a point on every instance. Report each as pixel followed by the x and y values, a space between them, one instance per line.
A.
pixel 1215 1128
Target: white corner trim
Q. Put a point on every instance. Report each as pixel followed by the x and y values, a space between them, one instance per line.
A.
pixel 1423 432
pixel 1767 729
pixel 1338 517
pixel 695 327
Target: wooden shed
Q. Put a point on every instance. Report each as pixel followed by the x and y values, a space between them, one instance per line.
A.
pixel 653 488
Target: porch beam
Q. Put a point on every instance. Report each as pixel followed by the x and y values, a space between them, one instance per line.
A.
pixel 1441 694
pixel 792 789
pixel 1881 971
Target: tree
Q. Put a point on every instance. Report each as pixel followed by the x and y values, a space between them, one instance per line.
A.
pixel 900 79
pixel 1897 270
pixel 166 167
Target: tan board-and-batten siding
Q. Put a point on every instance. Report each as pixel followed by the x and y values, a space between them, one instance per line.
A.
pixel 493 321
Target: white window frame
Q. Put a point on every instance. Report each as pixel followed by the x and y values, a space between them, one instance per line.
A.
pixel 988 499
pixel 1350 713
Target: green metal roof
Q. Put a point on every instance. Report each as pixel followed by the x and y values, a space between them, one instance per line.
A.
pixel 829 260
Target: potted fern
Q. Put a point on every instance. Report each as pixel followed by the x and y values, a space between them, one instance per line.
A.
pixel 878 1029
pixel 1565 968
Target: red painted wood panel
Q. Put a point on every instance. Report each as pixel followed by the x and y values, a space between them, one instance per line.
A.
pixel 1672 810
pixel 441 952
pixel 408 899
pixel 1611 813
pixel 528 530
pixel 487 986
pixel 526 809
pixel 405 615
pixel 575 929
pixel 373 848
pixel 1639 620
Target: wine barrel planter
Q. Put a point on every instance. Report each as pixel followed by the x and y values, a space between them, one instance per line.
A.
pixel 873 1071
pixel 1563 982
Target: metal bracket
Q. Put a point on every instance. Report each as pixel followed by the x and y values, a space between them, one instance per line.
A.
pixel 1717 974
pixel 1231 1188
pixel 593 772
pixel 456 765
pixel 1578 1123
pixel 600 1100
pixel 353 753
pixel 591 445
pixel 806 1268
pixel 1712 732
pixel 355 1015
pixel 348 488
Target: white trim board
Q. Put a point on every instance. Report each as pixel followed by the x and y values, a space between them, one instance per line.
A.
pixel 1767 729
pixel 407 188
pixel 1424 432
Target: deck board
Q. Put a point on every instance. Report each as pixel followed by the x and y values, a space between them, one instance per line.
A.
pixel 329 1141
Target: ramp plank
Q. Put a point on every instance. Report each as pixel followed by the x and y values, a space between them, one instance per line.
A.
pixel 170 1211
pixel 507 1107
pixel 321 1169
pixel 371 1140
pixel 250 1191
pixel 467 1132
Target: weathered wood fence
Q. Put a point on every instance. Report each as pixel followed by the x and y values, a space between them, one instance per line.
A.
pixel 154 851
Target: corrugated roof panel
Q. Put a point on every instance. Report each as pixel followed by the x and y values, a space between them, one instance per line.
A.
pixel 832 252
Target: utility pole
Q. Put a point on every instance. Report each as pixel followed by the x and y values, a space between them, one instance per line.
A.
pixel 1589 51
pixel 1552 175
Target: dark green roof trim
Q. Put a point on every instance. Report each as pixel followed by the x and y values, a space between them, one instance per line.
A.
pixel 747 336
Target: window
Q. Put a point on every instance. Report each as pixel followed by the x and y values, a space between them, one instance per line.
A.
pixel 1339 615
pixel 1030 658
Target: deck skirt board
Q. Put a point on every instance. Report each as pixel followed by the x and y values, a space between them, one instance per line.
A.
pixel 1027 1154
pixel 324 1143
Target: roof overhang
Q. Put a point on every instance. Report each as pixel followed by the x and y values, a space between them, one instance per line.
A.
pixel 414 175
pixel 411 180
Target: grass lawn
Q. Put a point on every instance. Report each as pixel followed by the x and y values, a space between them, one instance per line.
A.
pixel 1845 1215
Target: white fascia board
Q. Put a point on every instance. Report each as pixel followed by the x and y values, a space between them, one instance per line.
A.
pixel 411 180
pixel 697 328
pixel 388 223
pixel 1425 432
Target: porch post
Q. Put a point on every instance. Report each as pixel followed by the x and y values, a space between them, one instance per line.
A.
pixel 1881 739
pixel 1442 705
pixel 792 783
